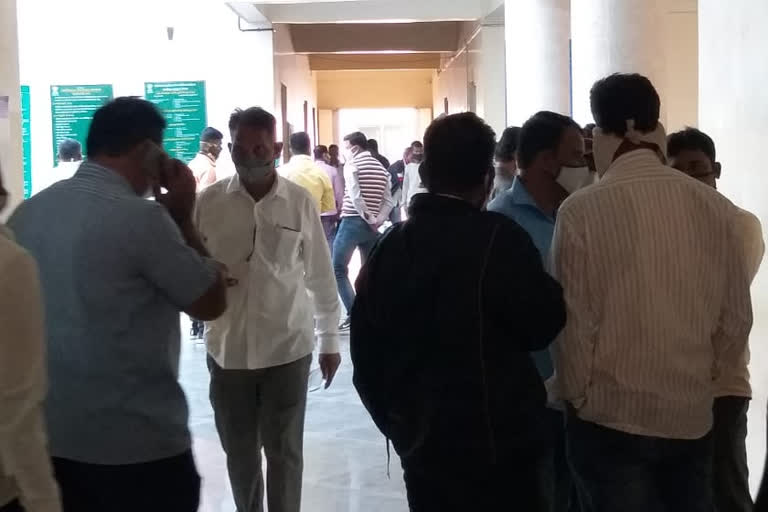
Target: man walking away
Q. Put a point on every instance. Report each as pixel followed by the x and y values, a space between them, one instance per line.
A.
pixel 505 161
pixel 331 219
pixel 658 310
pixel 116 273
pixel 267 231
pixel 367 203
pixel 412 183
pixel 303 171
pixel 26 477
pixel 693 152
pixel 373 147
pixel 552 166
pixel 203 166
pixel 450 303
pixel 70 156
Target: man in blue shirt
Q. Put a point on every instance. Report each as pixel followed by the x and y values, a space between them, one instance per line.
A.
pixel 116 271
pixel 550 155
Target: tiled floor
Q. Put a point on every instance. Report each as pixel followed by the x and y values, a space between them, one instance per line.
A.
pixel 345 457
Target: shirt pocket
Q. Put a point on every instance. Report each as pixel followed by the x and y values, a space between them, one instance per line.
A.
pixel 281 246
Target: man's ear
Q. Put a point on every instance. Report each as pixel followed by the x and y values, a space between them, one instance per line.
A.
pixel 718 169
pixel 278 150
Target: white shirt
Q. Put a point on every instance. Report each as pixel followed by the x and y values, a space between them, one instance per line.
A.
pixel 25 468
pixel 277 252
pixel 203 166
pixel 659 308
pixel 412 183
pixel 63 171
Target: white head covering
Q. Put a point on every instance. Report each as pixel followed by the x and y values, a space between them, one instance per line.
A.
pixel 604 145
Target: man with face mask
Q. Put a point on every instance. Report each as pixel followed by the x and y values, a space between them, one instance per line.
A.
pixel 550 153
pixel 282 292
pixel 26 477
pixel 449 305
pixel 204 164
pixel 116 272
pixel 659 314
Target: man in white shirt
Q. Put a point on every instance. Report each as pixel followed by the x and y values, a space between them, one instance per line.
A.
pixel 267 231
pixel 26 477
pixel 412 184
pixel 693 152
pixel 70 156
pixel 658 310
pixel 203 166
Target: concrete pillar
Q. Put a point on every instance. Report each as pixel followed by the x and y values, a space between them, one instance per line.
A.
pixel 537 55
pixel 10 127
pixel 494 108
pixel 615 36
pixel 733 109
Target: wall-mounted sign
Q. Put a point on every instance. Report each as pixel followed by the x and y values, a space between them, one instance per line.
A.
pixel 183 105
pixel 26 141
pixel 72 108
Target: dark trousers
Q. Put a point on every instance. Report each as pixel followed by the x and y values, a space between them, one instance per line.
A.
pixel 561 485
pixel 730 474
pixel 167 485
pixel 330 223
pixel 516 484
pixel 353 233
pixel 13 506
pixel 615 471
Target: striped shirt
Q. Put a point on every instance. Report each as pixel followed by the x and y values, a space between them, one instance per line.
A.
pixel 367 188
pixel 658 301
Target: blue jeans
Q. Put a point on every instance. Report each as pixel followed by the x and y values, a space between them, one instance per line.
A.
pixel 353 233
pixel 615 471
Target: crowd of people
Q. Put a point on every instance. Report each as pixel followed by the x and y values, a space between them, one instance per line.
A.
pixel 560 325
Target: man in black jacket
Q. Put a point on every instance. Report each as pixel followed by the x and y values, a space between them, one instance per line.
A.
pixel 448 307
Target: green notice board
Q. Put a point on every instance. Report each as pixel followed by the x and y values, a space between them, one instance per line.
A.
pixel 183 105
pixel 26 141
pixel 72 108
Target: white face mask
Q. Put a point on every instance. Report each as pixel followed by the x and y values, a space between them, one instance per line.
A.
pixel 254 171
pixel 604 146
pixel 574 178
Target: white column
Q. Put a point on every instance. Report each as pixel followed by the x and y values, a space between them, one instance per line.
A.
pixel 733 108
pixel 615 36
pixel 10 128
pixel 493 80
pixel 538 76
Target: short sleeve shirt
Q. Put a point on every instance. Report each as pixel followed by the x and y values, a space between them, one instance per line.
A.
pixel 115 273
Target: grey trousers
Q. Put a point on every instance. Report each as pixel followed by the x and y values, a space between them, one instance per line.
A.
pixel 257 409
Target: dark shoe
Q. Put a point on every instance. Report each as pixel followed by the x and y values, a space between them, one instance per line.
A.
pixel 345 325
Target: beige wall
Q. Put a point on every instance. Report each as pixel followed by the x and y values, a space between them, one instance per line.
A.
pixel 682 55
pixel 374 89
pixel 10 129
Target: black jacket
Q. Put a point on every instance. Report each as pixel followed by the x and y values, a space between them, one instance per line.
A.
pixel 448 307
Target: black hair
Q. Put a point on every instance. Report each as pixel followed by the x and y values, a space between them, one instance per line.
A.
pixel 70 149
pixel 373 146
pixel 417 144
pixel 693 140
pixel 542 132
pixel 320 151
pixel 211 134
pixel 507 146
pixel 253 117
pixel 333 146
pixel 620 97
pixel 299 143
pixel 458 153
pixel 357 139
pixel 122 124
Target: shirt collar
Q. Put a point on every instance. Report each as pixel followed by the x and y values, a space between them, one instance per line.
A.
pixel 91 171
pixel 301 158
pixel 520 196
pixel 278 188
pixel 634 163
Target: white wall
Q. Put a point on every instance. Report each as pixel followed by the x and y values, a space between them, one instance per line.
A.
pixel 95 41
pixel 733 109
pixel 482 62
pixel 293 71
pixel 682 59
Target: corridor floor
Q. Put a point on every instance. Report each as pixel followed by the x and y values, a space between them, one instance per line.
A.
pixel 345 457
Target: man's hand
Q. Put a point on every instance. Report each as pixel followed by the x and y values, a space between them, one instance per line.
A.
pixel 180 183
pixel 329 364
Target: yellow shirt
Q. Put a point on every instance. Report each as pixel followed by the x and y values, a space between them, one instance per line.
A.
pixel 303 171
